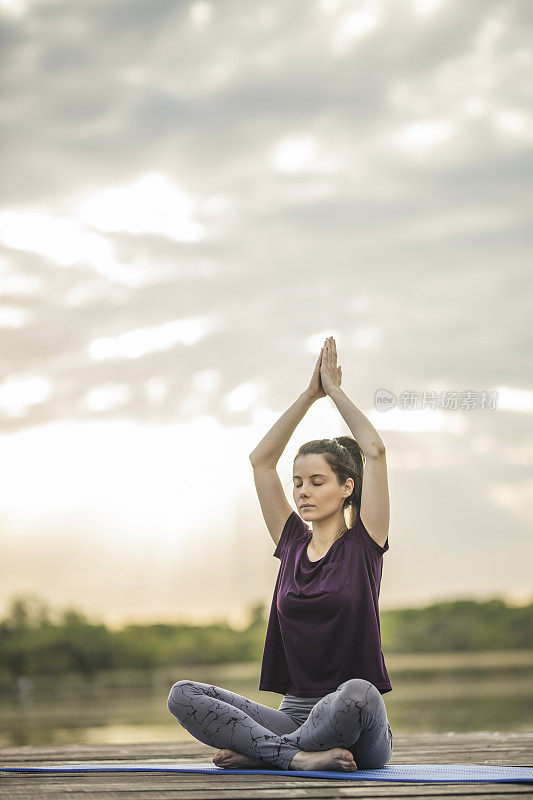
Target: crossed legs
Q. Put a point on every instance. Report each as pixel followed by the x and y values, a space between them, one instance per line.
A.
pixel 353 717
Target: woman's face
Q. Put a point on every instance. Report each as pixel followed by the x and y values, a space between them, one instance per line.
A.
pixel 315 484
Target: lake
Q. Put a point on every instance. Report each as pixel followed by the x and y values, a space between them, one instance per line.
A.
pixel 432 692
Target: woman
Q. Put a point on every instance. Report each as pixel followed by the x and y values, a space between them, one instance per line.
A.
pixel 323 643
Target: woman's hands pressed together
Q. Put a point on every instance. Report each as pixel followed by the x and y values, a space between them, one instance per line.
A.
pixel 327 375
pixel 330 373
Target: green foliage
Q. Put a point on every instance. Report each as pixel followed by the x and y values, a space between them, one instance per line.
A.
pixel 32 643
pixel 459 625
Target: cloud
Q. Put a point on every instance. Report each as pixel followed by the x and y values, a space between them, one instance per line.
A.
pixel 196 194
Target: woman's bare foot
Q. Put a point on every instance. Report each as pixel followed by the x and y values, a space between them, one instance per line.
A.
pixel 231 759
pixel 337 758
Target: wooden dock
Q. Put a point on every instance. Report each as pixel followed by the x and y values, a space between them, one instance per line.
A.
pixel 502 749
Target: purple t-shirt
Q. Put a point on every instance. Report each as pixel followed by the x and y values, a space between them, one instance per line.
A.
pixel 324 626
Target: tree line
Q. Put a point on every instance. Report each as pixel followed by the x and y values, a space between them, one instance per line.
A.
pixel 34 641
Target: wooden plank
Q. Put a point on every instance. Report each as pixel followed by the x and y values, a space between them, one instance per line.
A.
pixel 176 793
pixel 512 749
pixel 221 787
pixel 442 747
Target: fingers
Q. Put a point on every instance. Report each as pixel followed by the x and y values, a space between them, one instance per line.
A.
pixel 331 348
pixel 329 353
pixel 327 350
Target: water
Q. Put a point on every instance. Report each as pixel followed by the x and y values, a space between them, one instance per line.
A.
pixel 437 693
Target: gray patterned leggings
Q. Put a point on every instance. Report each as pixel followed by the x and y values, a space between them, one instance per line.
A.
pixel 353 717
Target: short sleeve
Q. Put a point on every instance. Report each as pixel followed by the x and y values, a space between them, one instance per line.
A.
pixel 294 526
pixel 368 541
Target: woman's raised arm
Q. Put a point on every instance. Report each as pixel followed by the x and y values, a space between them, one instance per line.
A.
pixel 269 450
pixel 362 429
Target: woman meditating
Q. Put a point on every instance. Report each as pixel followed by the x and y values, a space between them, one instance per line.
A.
pixel 323 642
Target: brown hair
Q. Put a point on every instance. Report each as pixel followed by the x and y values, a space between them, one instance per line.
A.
pixel 347 460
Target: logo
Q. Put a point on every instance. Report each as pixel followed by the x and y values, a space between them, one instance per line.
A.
pixel 384 400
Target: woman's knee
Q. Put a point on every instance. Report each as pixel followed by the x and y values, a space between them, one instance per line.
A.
pixel 360 689
pixel 178 695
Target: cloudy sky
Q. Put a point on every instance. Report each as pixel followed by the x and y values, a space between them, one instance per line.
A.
pixel 196 194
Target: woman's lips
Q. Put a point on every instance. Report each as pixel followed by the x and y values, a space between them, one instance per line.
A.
pixel 306 506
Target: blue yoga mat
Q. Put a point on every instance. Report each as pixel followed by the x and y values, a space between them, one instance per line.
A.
pixel 432 773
